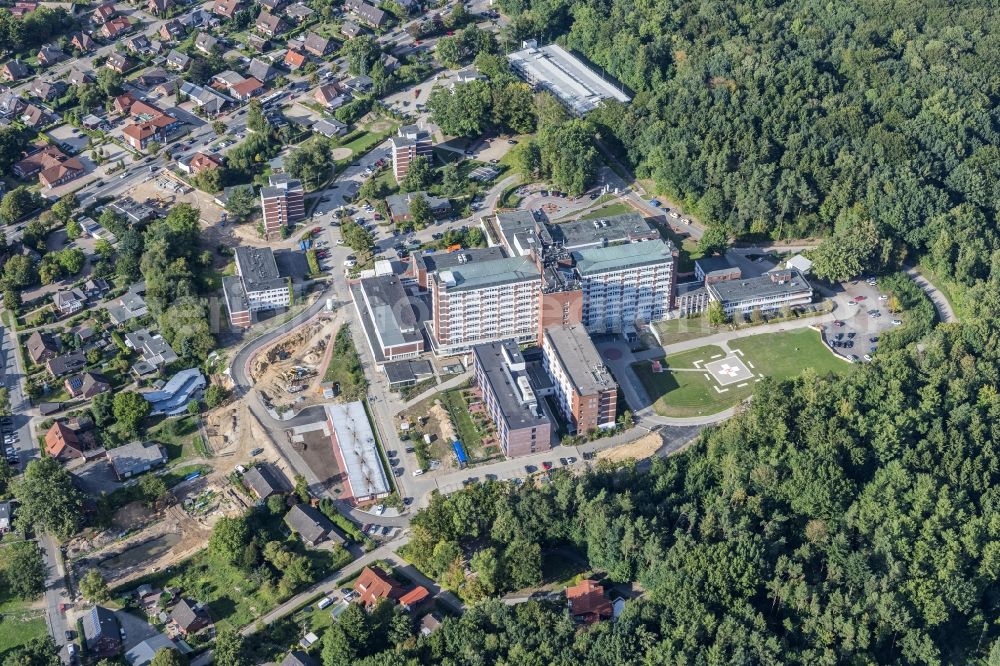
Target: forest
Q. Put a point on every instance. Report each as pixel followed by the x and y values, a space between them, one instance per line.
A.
pixel 852 520
pixel 777 117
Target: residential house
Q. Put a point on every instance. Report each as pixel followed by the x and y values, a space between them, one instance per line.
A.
pixel 49 55
pixel 159 7
pixel 177 60
pixel 399 205
pixel 65 440
pixel 139 44
pixel 96 287
pixel 331 96
pixel 78 77
pixel 429 624
pixel 6 516
pixel 298 658
pixel 361 83
pixel 299 12
pixel 208 101
pixel 116 27
pixel 317 45
pixel 152 78
pixel 414 597
pixel 258 43
pixel 118 62
pixel 172 30
pixel 269 24
pixel 368 13
pixel 14 70
pixel 87 385
pixel 156 352
pixel 135 458
pixel 41 347
pixel 260 70
pixel 61 173
pixel 264 481
pixel 205 43
pixel 67 363
pixel 39 160
pixel 22 9
pixel 227 8
pixel 11 103
pixel 143 653
pixel 84 335
pixel 246 89
pixel 294 60
pixel 104 13
pixel 35 116
pixel 330 128
pixel 68 302
pixel 82 42
pixel 350 29
pixel 122 104
pixel 130 305
pixel 374 584
pixel 311 525
pixel 48 90
pixel 102 632
pixel 140 135
pixel 189 617
pixel 587 602
pixel 200 162
pixel 272 5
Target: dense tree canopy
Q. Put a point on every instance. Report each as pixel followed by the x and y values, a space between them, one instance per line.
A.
pixel 778 118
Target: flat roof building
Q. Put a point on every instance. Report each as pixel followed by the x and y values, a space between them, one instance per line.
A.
pixel 135 458
pixel 411 142
pixel 586 392
pixel 523 426
pixel 553 68
pixel 715 269
pixel 625 285
pixel 600 232
pixel 256 287
pixel 390 323
pixel 357 453
pixel 771 291
pixel 282 203
pixel 484 301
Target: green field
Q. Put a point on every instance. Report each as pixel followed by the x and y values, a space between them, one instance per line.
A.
pixel 609 211
pixel 19 622
pixel 684 390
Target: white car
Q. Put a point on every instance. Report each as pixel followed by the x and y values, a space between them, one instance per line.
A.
pixel 674 215
pixel 868 357
pixel 896 322
pixel 350 263
pixel 883 297
pixel 379 509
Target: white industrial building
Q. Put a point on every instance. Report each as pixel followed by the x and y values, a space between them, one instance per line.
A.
pixel 357 454
pixel 555 69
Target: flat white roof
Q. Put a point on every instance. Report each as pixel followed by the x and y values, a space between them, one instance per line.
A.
pixel 557 70
pixel 358 449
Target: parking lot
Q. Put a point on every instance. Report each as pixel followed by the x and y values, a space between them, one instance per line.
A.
pixel 857 337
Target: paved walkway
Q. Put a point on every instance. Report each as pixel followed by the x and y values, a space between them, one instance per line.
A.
pixel 945 312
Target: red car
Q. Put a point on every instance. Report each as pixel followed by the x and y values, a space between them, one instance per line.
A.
pixel 546 466
pixel 858 299
pixel 317 230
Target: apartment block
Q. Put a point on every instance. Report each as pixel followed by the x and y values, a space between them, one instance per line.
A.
pixel 282 204
pixel 587 394
pixel 257 286
pixel 625 285
pixel 523 427
pixel 475 302
pixel 411 142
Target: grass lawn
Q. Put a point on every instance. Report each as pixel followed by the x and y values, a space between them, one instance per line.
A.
pixel 609 211
pixel 467 431
pixel 689 250
pixel 177 436
pixel 684 390
pixel 19 622
pixel 680 330
pixel 345 366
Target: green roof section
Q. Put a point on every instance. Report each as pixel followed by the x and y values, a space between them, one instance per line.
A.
pixel 483 274
pixel 620 257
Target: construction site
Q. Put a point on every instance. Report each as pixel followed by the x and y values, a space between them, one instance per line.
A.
pixel 289 373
